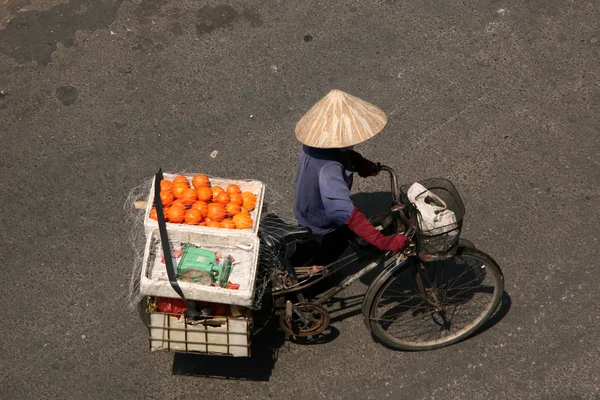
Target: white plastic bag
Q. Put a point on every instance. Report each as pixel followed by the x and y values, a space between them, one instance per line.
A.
pixel 434 217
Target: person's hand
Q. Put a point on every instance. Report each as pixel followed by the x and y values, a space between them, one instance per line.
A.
pixel 367 168
pixel 396 243
pixel 377 169
pixel 364 167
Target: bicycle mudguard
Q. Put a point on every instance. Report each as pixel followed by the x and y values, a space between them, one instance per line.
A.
pixel 373 289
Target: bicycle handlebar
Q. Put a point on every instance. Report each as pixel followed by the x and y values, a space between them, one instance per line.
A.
pixel 397 200
pixel 394 181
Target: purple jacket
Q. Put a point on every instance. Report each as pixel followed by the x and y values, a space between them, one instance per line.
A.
pixel 323 184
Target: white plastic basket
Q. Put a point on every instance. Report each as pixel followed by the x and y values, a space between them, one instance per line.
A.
pixel 244 249
pixel 256 187
pixel 218 335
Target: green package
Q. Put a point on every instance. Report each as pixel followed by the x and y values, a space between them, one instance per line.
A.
pixel 196 258
pixel 201 266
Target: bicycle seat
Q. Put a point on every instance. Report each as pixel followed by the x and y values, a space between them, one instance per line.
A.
pixel 275 233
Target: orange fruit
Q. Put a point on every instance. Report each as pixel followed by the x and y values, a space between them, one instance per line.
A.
pixel 154 213
pixel 200 180
pixel 204 193
pixel 178 189
pixel 249 195
pixel 216 190
pixel 249 204
pixel 216 212
pixel 236 198
pixel 181 179
pixel 249 200
pixel 222 198
pixel 244 211
pixel 188 197
pixel 193 216
pixel 232 209
pixel 242 221
pixel 166 197
pixel 166 185
pixel 227 224
pixel 233 188
pixel 202 207
pixel 213 224
pixel 180 203
pixel 176 214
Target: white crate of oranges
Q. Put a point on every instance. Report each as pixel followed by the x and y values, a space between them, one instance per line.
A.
pixel 199 202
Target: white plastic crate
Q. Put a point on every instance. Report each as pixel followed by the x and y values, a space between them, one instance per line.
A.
pixel 256 187
pixel 154 280
pixel 217 335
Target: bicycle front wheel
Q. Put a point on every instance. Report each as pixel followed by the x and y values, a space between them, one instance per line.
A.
pixel 436 304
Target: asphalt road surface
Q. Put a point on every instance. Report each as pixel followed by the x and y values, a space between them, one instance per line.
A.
pixel 501 97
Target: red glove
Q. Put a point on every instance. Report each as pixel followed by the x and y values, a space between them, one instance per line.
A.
pixel 359 224
pixel 362 166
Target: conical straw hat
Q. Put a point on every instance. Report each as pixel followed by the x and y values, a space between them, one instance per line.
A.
pixel 340 120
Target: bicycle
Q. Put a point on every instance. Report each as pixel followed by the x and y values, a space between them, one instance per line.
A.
pixel 419 300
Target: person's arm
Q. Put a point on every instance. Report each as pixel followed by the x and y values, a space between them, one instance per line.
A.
pixel 341 211
pixel 359 224
pixel 335 193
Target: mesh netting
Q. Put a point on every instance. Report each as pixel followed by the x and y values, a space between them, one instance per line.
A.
pixel 137 238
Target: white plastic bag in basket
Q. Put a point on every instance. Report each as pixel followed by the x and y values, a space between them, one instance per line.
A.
pixel 433 211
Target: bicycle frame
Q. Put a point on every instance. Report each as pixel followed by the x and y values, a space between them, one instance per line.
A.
pixel 324 297
pixel 330 269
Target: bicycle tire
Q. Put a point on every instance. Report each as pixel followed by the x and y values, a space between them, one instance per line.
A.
pixel 384 282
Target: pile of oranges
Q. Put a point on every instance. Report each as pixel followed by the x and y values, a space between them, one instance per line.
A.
pixel 205 205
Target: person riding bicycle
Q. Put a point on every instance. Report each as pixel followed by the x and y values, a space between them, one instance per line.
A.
pixel 329 131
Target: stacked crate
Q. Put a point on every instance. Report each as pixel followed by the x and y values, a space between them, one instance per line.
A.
pixel 217 334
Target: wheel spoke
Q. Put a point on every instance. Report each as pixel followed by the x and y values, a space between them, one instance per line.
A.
pixel 420 327
pixel 468 284
pixel 408 299
pixel 480 289
pixel 390 316
pixel 404 304
pixel 422 330
pixel 459 276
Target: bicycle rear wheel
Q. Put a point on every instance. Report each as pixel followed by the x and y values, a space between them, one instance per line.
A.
pixel 457 296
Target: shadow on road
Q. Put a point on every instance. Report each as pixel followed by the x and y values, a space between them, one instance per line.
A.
pixel 328 335
pixel 503 309
pixel 345 307
pixel 374 203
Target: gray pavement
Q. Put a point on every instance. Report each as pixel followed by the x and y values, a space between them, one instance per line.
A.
pixel 501 97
